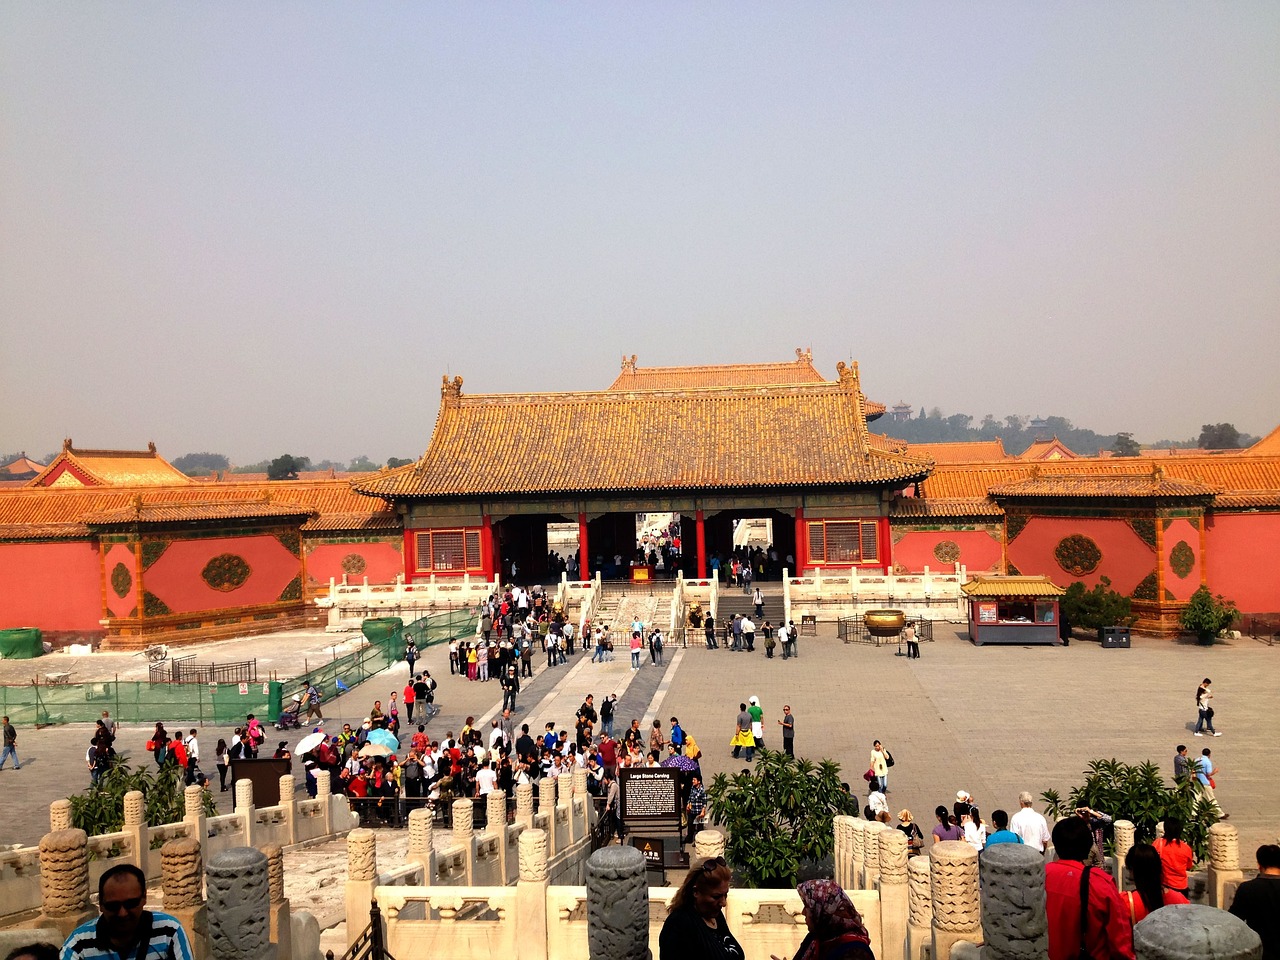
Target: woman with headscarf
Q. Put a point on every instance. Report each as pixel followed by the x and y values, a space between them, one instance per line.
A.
pixel 695 928
pixel 836 931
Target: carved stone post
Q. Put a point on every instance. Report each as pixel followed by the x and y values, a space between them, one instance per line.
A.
pixel 59 815
pixel 1124 834
pixel 708 844
pixel 617 905
pixel 893 893
pixel 248 812
pixel 464 834
pixel 290 806
pixel 135 824
pixel 524 805
pixel 362 878
pixel 920 907
pixel 581 795
pixel 953 882
pixel 531 896
pixel 871 853
pixel 1193 930
pixel 182 878
pixel 324 793
pixel 278 911
pixel 239 902
pixel 1224 862
pixel 842 853
pixel 421 843
pixel 64 880
pixel 857 846
pixel 193 814
pixel 495 815
pixel 1014 926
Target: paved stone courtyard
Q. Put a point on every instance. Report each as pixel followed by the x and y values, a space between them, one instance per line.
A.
pixel 991 720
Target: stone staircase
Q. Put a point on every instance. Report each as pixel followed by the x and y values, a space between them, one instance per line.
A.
pixel 619 607
pixel 733 601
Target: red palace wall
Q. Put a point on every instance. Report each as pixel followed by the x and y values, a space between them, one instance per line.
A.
pixel 979 551
pixel 121 553
pixel 381 562
pixel 1126 558
pixel 53 586
pixel 1181 531
pixel 176 578
pixel 1243 559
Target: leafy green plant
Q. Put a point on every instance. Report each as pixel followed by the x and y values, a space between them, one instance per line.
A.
pixel 1099 607
pixel 779 816
pixel 1206 615
pixel 1138 793
pixel 100 809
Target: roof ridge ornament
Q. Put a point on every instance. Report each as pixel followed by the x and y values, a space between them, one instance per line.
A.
pixel 151 447
pixel 450 391
pixel 628 363
pixel 66 444
pixel 137 504
pixel 804 355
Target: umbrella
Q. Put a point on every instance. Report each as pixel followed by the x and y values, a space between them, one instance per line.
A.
pixel 385 737
pixel 309 743
pixel 681 762
pixel 375 750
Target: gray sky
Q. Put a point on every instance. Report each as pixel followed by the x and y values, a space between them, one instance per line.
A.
pixel 259 228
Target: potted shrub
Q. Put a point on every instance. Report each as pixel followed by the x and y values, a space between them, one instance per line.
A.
pixel 1097 608
pixel 1207 616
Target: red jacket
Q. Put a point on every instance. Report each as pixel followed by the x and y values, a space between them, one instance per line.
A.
pixel 1109 935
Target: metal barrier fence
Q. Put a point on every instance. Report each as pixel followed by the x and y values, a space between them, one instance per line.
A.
pixel 854 630
pixel 183 670
pixel 130 701
pixel 1266 629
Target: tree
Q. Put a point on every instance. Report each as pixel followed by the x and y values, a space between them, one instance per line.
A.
pixel 1206 615
pixel 201 464
pixel 287 467
pixel 1218 436
pixel 100 809
pixel 362 464
pixel 1126 446
pixel 394 462
pixel 779 816
pixel 1138 794
pixel 1099 607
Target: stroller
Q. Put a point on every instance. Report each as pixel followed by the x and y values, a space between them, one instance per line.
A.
pixel 289 719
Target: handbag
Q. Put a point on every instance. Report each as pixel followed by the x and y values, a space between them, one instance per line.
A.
pixel 150 744
pixel 888 759
pixel 869 775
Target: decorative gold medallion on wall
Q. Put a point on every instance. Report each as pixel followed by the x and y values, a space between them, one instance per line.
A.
pixel 1077 554
pixel 353 564
pixel 226 572
pixel 946 551
pixel 121 580
pixel 1182 559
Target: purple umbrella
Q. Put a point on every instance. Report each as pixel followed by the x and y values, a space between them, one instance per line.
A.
pixel 680 761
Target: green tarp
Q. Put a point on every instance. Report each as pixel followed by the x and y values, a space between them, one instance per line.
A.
pixel 23 643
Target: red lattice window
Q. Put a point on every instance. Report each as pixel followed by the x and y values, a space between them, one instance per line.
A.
pixel 844 541
pixel 448 551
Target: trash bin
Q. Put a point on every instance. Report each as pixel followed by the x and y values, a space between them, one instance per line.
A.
pixel 1113 638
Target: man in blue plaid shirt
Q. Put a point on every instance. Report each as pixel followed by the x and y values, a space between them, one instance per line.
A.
pixel 696 808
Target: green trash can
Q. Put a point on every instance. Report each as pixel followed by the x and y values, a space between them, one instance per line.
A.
pixel 378 629
pixel 21 643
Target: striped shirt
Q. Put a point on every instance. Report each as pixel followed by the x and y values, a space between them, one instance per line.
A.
pixel 162 934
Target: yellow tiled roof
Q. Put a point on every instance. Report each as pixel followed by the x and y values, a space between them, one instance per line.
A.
pixel 799 370
pixel 962 451
pixel 919 507
pixel 1153 484
pixel 1053 449
pixel 798 435
pixel 999 585
pixel 112 468
pixel 142 512
pixel 1268 446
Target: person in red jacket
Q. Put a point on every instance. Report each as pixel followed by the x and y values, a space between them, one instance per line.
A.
pixel 1108 933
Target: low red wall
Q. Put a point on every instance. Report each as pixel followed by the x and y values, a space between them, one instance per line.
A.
pixel 1243 562
pixel 53 586
pixel 1181 531
pixel 979 551
pixel 176 578
pixel 1126 558
pixel 381 562
pixel 121 553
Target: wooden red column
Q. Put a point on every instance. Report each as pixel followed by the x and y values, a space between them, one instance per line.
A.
pixel 486 547
pixel 584 553
pixel 700 523
pixel 802 543
pixel 410 559
pixel 886 546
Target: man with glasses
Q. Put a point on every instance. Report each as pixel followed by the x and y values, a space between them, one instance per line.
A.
pixel 125 928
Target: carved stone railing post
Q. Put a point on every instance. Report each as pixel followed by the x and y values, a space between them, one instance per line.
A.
pixel 281 923
pixel 464 834
pixel 1124 835
pixel 893 893
pixel 182 879
pixel 1194 930
pixel 842 852
pixel 708 844
pixel 871 853
pixel 580 792
pixel 421 843
pixel 135 824
pixel 920 909
pixel 59 815
pixel 248 812
pixel 64 880
pixel 617 905
pixel 1014 926
pixel 324 793
pixel 524 805
pixel 362 878
pixel 239 903
pixel 953 883
pixel 193 814
pixel 857 846
pixel 1224 862
pixel 289 804
pixel 495 815
pixel 531 896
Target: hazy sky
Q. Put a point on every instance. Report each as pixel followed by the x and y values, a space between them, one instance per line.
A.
pixel 256 228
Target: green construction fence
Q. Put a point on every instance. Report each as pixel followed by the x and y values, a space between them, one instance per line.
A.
pixel 223 704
